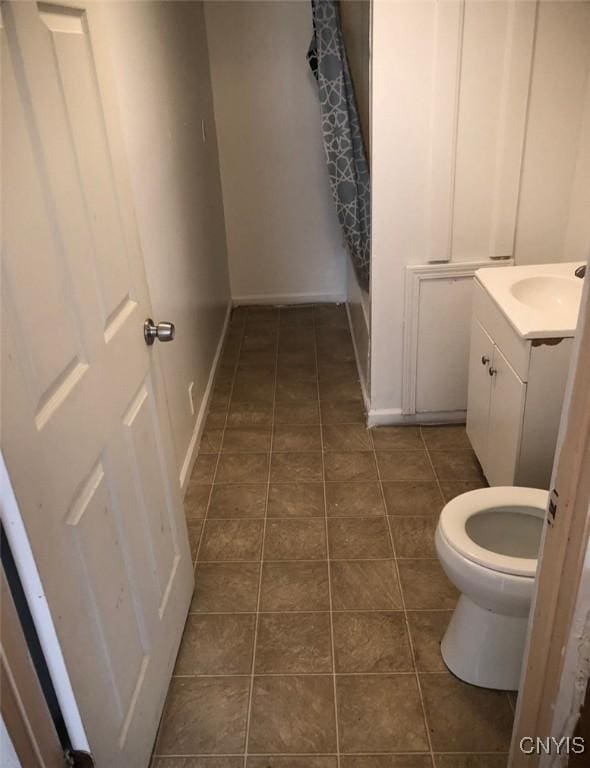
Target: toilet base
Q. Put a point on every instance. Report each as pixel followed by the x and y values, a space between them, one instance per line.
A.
pixel 484 648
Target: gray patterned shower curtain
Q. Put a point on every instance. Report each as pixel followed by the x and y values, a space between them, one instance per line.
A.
pixel 343 142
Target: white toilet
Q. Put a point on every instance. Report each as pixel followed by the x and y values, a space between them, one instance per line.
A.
pixel 487 542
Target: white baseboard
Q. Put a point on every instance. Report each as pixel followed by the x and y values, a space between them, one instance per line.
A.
pixel 358 362
pixel 290 298
pixel 394 416
pixel 191 453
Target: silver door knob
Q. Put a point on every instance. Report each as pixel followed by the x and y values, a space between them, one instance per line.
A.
pixel 162 331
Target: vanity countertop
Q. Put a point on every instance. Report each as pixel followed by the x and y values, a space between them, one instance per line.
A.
pixel 540 301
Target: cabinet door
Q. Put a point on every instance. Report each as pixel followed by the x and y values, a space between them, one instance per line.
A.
pixel 505 421
pixel 478 395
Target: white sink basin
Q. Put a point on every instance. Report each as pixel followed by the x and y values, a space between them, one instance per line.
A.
pixel 552 293
pixel 540 301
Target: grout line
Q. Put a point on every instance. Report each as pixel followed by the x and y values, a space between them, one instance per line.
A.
pixel 324 611
pixel 176 756
pixel 406 621
pixel 402 673
pixel 258 597
pixel 328 558
pixel 203 524
pixel 434 472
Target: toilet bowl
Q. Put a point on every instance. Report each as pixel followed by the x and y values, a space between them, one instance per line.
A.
pixel 487 542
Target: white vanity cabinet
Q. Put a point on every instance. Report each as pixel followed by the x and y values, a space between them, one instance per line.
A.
pixel 515 395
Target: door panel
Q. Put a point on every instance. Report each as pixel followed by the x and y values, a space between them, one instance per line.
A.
pixel 478 399
pixel 505 424
pixel 85 431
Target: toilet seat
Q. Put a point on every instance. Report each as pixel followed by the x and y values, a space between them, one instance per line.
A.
pixel 458 511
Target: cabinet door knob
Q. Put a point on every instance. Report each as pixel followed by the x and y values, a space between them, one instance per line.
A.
pixel 485 359
pixel 492 371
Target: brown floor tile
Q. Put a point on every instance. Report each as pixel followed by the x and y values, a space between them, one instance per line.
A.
pixel 198 762
pixel 413 498
pixel 471 761
pixel 452 488
pixel 456 465
pixel 194 528
pixel 211 441
pixel 293 761
pixel 335 337
pixel 343 411
pixel 225 587
pixel 463 718
pixel 346 437
pixel 354 499
pixel 246 440
pixel 196 501
pixel 215 418
pixel 304 373
pixel 231 540
pixel 425 585
pixel 427 629
pixel 290 437
pixel 296 340
pixel 295 358
pixel 255 357
pixel 262 314
pixel 364 585
pixel 217 644
pixel 413 536
pixel 339 382
pixel 293 642
pixel 296 500
pixel 397 439
pixel 233 501
pixel 253 384
pixel 205 715
pixel 297 316
pixel 371 641
pixel 404 465
pixel 294 587
pixel 299 412
pixel 386 761
pixel 292 714
pixel 330 315
pixel 204 468
pixel 294 539
pixel 249 414
pixel 352 538
pixel 288 390
pixel 380 713
pixel 259 340
pixel 446 437
pixel 296 467
pixel 242 468
pixel 358 466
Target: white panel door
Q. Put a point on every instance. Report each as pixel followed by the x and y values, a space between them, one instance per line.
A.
pixel 505 422
pixel 479 387
pixel 85 431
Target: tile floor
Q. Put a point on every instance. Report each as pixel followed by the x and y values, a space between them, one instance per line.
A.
pixel 313 635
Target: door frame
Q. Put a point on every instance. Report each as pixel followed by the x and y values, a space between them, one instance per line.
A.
pixel 40 610
pixel 553 680
pixel 24 710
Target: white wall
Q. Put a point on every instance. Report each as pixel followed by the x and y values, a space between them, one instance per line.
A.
pixel 553 219
pixel 283 237
pixel 162 73
pixel 477 142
